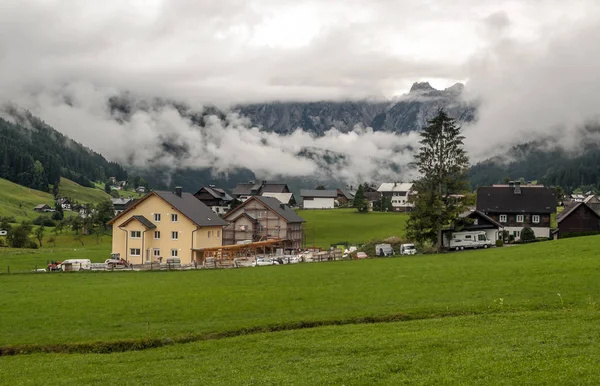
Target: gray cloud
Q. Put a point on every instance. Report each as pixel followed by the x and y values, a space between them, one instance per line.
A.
pixel 532 64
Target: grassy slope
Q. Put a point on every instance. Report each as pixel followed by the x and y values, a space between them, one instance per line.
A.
pixel 75 307
pixel 19 201
pixel 81 194
pixel 325 227
pixel 518 348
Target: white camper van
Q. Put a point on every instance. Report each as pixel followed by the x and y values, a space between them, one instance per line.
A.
pixel 76 265
pixel 408 249
pixel 465 240
pixel 384 250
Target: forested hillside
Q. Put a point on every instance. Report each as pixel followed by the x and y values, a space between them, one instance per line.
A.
pixel 33 154
pixel 554 167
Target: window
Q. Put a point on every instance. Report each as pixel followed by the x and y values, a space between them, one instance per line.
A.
pixel 502 218
pixel 156 252
pixel 174 235
pixel 134 252
pixel 208 234
pixel 218 233
pixel 136 234
pixel 520 218
pixel 468 237
pixel 174 217
pixel 481 238
pixel 173 252
pixel 476 221
pixel 535 219
pixel 156 217
pixel 517 234
pixel 262 214
pixel 156 235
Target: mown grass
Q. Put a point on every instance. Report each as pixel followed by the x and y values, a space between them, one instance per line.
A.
pixel 81 194
pixel 19 201
pixel 87 307
pixel 540 347
pixel 325 227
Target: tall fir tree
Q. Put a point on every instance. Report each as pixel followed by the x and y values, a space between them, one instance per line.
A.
pixel 443 164
pixel 360 202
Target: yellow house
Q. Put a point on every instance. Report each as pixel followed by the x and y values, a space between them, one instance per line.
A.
pixel 165 224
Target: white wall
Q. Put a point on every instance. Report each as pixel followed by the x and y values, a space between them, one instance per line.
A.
pixel 539 231
pixel 319 203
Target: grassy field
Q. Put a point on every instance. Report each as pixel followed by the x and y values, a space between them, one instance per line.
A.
pixel 19 201
pixel 81 194
pixel 508 348
pixel 325 227
pixel 153 304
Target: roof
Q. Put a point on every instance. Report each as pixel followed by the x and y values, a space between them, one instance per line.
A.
pixel 318 193
pixel 250 188
pixel 40 206
pixel 347 193
pixel 187 205
pixel 395 187
pixel 501 199
pixel 145 222
pixel 283 210
pixel 216 193
pixel 589 198
pixel 282 197
pixel 483 215
pixel 121 201
pixel 572 208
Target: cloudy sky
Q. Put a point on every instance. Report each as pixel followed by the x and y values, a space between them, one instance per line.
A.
pixel 533 63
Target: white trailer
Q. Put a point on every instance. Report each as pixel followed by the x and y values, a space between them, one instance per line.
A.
pixel 466 240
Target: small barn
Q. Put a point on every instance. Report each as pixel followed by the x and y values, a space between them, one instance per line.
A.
pixel 318 199
pixel 578 219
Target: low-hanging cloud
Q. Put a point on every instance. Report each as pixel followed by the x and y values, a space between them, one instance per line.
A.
pixel 532 68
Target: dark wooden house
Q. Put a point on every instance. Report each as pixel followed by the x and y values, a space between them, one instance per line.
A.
pixel 215 198
pixel 578 218
pixel 516 207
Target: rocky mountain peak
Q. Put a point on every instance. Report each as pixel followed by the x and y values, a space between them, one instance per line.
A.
pixel 421 86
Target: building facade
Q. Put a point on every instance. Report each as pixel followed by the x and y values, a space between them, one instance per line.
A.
pixel 165 224
pixel 215 198
pixel 318 199
pixel 516 207
pixel 399 194
pixel 579 218
pixel 264 218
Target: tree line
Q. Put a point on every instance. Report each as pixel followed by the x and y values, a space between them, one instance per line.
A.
pixel 35 155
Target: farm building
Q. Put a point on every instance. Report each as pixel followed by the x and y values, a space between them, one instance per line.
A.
pixel 42 208
pixel 318 199
pixel 119 204
pixel 474 220
pixel 399 194
pixel 264 218
pixel 578 218
pixel 215 198
pixel 516 207
pixel 244 191
pixel 165 224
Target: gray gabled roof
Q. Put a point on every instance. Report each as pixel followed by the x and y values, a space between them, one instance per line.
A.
pixel 216 193
pixel 192 208
pixel 318 193
pixel 145 222
pixel 287 213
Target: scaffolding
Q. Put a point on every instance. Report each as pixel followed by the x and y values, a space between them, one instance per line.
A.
pixel 227 255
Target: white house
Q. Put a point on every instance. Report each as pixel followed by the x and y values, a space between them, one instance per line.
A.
pixel 398 193
pixel 318 199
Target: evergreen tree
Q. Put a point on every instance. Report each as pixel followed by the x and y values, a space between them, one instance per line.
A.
pixel 360 202
pixel 107 188
pixel 443 164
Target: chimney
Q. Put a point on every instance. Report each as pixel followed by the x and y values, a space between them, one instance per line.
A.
pixel 178 191
pixel 517 187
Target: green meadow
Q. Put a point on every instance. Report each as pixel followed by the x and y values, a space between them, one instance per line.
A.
pixel 326 227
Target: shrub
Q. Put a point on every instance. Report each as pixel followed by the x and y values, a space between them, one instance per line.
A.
pixel 44 221
pixel 8 219
pixel 32 245
pixel 527 235
pixel 499 243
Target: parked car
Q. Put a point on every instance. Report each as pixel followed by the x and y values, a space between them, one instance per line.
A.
pixel 260 261
pixel 384 250
pixel 361 255
pixel 408 249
